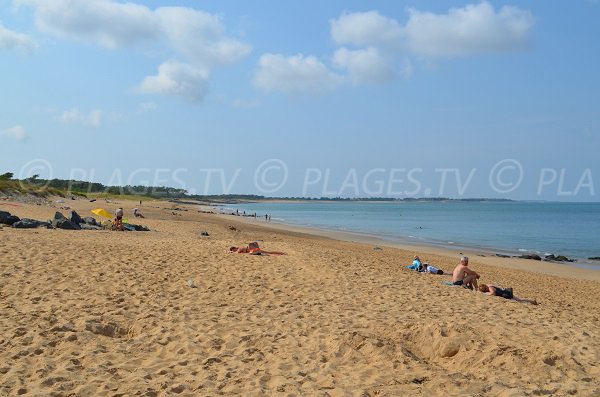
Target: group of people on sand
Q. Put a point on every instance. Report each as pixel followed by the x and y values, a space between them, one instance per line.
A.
pixel 423 267
pixel 118 221
pixel 464 276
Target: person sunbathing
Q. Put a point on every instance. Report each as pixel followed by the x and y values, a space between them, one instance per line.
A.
pixel 427 268
pixel 506 293
pixel 423 267
pixel 253 249
pixel 416 264
pixel 463 275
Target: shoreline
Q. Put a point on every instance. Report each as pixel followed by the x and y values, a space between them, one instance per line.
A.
pixel 570 270
pixel 574 256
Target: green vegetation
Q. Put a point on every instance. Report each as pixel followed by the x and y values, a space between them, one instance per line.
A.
pixel 62 187
pixel 24 187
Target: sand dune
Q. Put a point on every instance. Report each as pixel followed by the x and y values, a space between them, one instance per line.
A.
pixel 87 313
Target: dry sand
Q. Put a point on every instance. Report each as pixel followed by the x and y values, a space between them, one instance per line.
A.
pixel 88 313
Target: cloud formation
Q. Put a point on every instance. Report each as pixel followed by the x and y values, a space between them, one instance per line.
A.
pixel 364 66
pixel 366 29
pixel 198 38
pixel 177 79
pixel 374 49
pixel 296 74
pixel 17 132
pixel 12 40
pixel 76 117
pixel 474 29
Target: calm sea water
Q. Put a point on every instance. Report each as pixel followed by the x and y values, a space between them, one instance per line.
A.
pixel 571 229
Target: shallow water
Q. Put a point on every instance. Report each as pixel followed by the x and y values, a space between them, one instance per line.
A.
pixel 570 229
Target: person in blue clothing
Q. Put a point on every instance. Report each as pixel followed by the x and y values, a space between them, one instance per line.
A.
pixel 416 265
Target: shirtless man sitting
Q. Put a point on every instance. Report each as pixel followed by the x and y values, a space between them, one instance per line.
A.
pixel 462 275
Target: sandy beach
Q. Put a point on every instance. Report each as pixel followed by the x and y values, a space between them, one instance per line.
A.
pixel 171 312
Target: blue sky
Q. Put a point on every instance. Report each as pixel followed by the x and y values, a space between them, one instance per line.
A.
pixel 353 98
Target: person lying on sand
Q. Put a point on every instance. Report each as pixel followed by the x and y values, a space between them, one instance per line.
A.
pixel 416 265
pixel 463 275
pixel 427 268
pixel 506 293
pixel 253 249
pixel 423 267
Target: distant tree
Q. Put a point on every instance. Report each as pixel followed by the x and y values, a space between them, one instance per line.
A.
pixel 7 176
pixel 33 178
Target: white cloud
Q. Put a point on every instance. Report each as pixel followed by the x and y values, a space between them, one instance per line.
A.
pixel 381 47
pixel 294 75
pixel 17 132
pixel 198 37
pixel 364 66
pixel 75 116
pixel 104 22
pixel 177 79
pixel 365 29
pixel 13 40
pixel 473 29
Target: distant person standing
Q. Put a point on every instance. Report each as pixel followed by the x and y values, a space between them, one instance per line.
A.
pixel 118 225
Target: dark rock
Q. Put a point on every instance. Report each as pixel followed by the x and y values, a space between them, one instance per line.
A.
pixel 4 216
pixel 12 220
pixel 135 228
pixel 562 258
pixel 8 219
pixel 75 218
pixel 205 233
pixel 141 228
pixel 559 258
pixel 89 220
pixel 594 258
pixel 531 256
pixel 85 226
pixel 26 223
pixel 502 256
pixel 61 222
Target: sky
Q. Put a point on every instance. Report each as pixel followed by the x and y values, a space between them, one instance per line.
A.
pixel 398 99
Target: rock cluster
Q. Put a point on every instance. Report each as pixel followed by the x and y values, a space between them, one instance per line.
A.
pixel 59 221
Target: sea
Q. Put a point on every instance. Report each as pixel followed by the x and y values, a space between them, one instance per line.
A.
pixel 506 227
